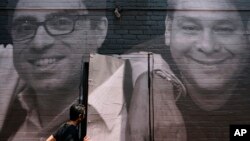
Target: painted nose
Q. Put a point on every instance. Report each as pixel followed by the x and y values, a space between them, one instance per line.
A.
pixel 42 40
pixel 207 43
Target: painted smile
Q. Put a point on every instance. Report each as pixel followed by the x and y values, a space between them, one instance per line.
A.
pixel 210 61
pixel 46 61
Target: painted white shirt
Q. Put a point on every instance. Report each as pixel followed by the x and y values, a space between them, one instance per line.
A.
pixel 8 80
pixel 107 113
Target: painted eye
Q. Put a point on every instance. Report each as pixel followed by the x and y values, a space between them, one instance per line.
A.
pixel 61 23
pixel 190 28
pixel 23 26
pixel 224 30
pixel 22 29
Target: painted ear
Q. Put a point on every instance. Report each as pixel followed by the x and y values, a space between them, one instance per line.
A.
pixel 98 34
pixel 168 24
pixel 101 30
pixel 248 30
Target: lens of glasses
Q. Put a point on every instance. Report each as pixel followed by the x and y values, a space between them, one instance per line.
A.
pixel 60 25
pixel 22 30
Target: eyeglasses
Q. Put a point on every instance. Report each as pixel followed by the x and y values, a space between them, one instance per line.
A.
pixel 26 28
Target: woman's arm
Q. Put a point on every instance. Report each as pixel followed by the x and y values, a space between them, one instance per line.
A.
pixel 51 138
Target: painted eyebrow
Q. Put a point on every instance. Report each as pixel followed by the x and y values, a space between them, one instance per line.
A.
pixel 62 13
pixel 186 18
pixel 189 19
pixel 23 18
pixel 226 22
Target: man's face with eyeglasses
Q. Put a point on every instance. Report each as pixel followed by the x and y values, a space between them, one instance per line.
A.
pixel 49 44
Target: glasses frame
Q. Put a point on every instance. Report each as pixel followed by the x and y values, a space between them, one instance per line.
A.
pixel 44 24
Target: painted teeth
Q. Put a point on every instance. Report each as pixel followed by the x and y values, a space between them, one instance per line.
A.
pixel 44 62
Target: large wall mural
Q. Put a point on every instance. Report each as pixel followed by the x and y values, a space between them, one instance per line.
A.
pixel 175 70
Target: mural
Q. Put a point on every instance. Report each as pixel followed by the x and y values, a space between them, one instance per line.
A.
pixel 50 39
pixel 168 70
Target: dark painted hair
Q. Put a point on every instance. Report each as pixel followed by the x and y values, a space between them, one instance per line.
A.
pixel 242 7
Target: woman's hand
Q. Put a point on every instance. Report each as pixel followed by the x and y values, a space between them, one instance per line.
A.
pixel 86 138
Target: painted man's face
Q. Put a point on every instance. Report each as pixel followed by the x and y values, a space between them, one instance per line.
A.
pixel 48 57
pixel 207 43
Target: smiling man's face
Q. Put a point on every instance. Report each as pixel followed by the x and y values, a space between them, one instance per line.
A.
pixel 207 43
pixel 52 62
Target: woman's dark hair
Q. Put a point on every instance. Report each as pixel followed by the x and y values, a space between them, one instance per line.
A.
pixel 76 110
